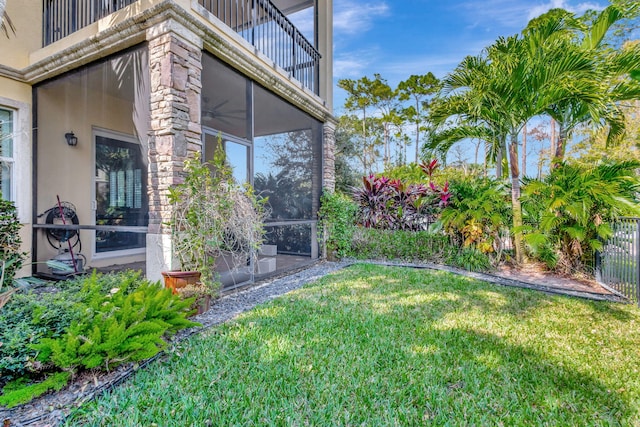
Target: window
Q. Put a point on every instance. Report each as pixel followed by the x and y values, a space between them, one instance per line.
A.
pixel 6 155
pixel 121 194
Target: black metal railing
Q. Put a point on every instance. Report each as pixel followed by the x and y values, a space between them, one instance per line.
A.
pixel 262 24
pixel 618 262
pixel 64 17
pixel 259 22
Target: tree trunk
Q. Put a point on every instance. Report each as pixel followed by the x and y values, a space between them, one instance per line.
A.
pixel 561 145
pixel 417 131
pixel 484 165
pixel 515 199
pixel 477 151
pixel 524 150
pixel 364 140
pixel 552 140
pixel 499 162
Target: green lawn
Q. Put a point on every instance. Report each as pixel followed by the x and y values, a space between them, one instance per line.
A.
pixel 380 346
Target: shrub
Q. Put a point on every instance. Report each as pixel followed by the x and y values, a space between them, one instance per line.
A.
pixel 20 391
pixel 393 205
pixel 337 216
pixel 213 215
pixel 477 214
pixel 568 213
pixel 471 259
pixel 10 256
pixel 29 318
pixel 401 245
pixel 120 326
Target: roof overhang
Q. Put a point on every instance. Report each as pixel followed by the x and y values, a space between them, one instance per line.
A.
pixel 291 6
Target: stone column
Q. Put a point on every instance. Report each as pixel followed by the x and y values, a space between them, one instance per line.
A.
pixel 329 156
pixel 175 64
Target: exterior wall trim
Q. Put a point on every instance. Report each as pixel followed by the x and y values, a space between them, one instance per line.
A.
pixel 217 38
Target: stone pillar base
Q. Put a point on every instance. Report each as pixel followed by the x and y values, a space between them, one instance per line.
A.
pixel 159 256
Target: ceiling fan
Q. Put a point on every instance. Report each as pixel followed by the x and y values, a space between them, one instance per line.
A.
pixel 218 113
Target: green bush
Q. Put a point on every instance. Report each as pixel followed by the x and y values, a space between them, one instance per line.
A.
pixel 477 215
pixel 10 256
pixel 20 391
pixel 29 318
pixel 116 327
pixel 337 223
pixel 471 259
pixel 403 245
pixel 568 214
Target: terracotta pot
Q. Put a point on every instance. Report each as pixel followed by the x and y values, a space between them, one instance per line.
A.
pixel 179 279
pixel 203 303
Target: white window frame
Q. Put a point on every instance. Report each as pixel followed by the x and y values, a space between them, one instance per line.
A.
pixel 21 189
pixel 10 161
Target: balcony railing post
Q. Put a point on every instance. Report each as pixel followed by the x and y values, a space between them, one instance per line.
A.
pixel 254 21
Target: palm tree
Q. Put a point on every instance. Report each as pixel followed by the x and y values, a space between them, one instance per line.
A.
pixel 5 22
pixel 595 95
pixel 573 207
pixel 462 113
pixel 515 79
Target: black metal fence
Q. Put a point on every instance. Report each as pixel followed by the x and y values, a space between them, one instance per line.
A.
pixel 262 24
pixel 618 263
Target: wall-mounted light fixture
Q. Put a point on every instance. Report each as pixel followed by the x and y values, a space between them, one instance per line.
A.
pixel 71 138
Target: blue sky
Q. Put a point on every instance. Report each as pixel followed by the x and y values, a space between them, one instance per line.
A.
pixel 403 37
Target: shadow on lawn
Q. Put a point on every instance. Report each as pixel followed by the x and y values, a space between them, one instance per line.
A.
pixel 379 346
pixel 465 367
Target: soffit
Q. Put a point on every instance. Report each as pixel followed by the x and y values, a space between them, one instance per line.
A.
pixel 291 6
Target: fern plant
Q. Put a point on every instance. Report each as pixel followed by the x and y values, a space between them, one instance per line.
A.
pixel 117 327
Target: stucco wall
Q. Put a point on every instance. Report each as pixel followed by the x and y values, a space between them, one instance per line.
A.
pixel 26 16
pixel 68 171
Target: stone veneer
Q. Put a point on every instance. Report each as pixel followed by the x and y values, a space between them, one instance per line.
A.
pixel 329 156
pixel 175 64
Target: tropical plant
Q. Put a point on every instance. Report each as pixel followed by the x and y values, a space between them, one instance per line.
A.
pixel 478 214
pixel 120 326
pixel 569 212
pixel 597 94
pixel 517 78
pixel 391 204
pixel 337 218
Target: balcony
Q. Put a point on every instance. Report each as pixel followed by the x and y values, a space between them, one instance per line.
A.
pixel 64 17
pixel 259 22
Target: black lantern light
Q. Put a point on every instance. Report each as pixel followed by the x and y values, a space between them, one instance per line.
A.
pixel 72 139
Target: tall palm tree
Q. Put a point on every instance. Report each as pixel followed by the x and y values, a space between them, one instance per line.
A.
pixel 463 113
pixel 596 95
pixel 515 79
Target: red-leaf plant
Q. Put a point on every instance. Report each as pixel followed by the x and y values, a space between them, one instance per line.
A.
pixel 393 205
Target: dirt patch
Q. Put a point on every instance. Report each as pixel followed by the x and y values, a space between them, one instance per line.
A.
pixel 537 274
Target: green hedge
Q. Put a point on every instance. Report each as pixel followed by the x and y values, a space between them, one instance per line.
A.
pixel 369 243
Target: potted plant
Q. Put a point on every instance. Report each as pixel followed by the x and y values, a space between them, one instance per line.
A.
pixel 196 225
pixel 212 216
pixel 201 293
